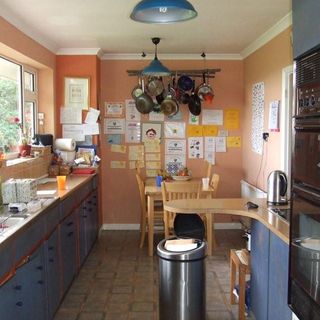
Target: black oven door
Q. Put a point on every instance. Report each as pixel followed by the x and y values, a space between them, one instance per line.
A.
pixel 304 275
pixel 306 156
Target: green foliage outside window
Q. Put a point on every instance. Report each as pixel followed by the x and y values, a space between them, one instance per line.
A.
pixel 9 130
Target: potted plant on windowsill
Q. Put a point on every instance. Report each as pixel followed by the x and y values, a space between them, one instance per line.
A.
pixel 24 147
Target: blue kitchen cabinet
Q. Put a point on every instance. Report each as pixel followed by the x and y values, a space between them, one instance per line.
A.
pixel 259 269
pixel 53 273
pixel 68 236
pixel 278 279
pixel 83 227
pixel 88 225
pixel 29 285
pixel 7 299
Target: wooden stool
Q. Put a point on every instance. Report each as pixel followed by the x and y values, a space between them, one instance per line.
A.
pixel 239 260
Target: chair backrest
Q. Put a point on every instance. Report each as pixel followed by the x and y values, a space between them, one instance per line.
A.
pixel 141 193
pixel 208 172
pixel 214 183
pixel 180 190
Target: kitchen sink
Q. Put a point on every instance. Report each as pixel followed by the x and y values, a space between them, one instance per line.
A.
pixel 7 222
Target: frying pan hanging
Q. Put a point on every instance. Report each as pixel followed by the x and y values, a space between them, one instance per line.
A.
pixel 194 102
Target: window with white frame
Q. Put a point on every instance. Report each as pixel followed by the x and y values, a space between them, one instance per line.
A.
pixel 18 104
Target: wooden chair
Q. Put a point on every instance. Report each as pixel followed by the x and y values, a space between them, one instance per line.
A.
pixel 175 191
pixel 208 172
pixel 158 212
pixel 214 181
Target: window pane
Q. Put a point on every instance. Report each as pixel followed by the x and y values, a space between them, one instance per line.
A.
pixel 29 81
pixel 10 103
pixel 29 116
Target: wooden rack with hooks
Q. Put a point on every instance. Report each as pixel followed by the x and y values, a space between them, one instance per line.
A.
pixel 196 73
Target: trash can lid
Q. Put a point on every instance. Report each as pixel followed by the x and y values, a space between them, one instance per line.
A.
pixel 180 249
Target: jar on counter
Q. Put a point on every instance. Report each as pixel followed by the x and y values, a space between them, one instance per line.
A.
pixel 54 170
pixel 64 169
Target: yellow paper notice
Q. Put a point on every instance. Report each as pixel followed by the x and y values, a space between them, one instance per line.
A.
pixel 153 165
pixel 117 164
pixel 118 148
pixel 136 164
pixel 210 131
pixel 136 153
pixel 233 142
pixel 152 146
pixel 194 131
pixel 231 119
pixel 151 173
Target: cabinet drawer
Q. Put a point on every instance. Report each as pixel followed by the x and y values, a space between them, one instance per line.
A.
pixel 67 205
pixel 7 257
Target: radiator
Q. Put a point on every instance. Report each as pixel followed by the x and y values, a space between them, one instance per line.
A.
pixel 249 191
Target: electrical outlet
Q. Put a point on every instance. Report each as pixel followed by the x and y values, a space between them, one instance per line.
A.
pixel 265 136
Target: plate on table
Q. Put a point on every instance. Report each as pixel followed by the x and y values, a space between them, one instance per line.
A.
pixel 181 178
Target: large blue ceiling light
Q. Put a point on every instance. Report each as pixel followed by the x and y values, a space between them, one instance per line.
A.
pixel 156 68
pixel 163 11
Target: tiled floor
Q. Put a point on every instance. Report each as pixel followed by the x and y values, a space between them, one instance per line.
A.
pixel 119 281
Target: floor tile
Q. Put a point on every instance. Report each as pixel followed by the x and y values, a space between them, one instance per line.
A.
pixel 120 281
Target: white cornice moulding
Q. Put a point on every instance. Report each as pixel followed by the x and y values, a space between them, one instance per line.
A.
pixel 25 29
pixel 280 26
pixel 170 56
pixel 80 51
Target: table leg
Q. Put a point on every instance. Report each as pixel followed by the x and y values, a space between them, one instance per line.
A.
pixel 209 232
pixel 150 224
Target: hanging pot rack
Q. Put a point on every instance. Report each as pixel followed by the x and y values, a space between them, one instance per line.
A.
pixel 196 73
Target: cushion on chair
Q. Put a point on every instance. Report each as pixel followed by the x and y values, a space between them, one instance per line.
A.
pixel 189 226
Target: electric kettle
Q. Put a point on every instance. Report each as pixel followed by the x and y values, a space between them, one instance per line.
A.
pixel 277 188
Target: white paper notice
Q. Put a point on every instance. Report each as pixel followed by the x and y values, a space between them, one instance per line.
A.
pixel 209 149
pixel 70 115
pixel 221 144
pixel 113 109
pixel 174 129
pixel 274 116
pixel 73 131
pixel 133 132
pixel 175 146
pixel 212 117
pixel 156 116
pixel 114 126
pixel 90 128
pixel 92 116
pixel 195 147
pixel 132 114
pixel 193 119
pixel 174 161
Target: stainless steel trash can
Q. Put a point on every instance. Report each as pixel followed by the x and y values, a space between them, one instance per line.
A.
pixel 182 293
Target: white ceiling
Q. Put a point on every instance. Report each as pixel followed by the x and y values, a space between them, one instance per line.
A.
pixel 222 26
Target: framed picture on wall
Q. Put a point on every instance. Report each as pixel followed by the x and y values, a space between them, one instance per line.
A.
pixel 76 92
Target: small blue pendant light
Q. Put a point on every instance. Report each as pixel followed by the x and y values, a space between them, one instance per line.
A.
pixel 156 68
pixel 163 11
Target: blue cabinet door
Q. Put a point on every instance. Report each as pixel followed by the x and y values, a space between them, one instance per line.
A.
pixel 53 273
pixel 83 226
pixel 8 300
pixel 278 279
pixel 68 235
pixel 30 288
pixel 259 269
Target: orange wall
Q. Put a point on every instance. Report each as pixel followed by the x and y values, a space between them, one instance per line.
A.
pixel 17 46
pixel 77 66
pixel 120 199
pixel 264 65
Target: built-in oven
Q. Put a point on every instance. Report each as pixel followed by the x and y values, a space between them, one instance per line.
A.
pixel 306 155
pixel 304 269
pixel 304 277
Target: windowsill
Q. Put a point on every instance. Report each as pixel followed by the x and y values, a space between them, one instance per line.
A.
pixel 13 162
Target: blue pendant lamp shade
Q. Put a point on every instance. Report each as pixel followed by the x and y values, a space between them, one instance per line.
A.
pixel 163 11
pixel 156 68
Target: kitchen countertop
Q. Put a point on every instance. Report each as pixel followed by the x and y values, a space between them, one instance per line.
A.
pixel 235 206
pixel 73 183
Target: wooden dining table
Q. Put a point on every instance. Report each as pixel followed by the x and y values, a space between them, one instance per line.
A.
pixel 153 193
